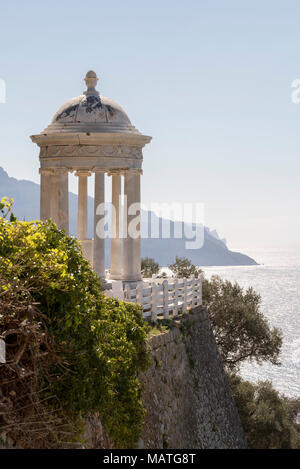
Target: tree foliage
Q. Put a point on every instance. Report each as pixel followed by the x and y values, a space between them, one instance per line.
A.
pixel 100 343
pixel 149 267
pixel 183 268
pixel 269 418
pixel 241 330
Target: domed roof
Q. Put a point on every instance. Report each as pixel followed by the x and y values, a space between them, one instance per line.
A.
pixel 91 112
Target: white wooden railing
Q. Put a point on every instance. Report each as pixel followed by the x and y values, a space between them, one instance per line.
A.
pixel 163 297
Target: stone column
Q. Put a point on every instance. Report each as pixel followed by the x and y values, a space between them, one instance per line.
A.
pixel 45 199
pixel 82 214
pixel 59 194
pixel 116 242
pixel 132 241
pixel 99 240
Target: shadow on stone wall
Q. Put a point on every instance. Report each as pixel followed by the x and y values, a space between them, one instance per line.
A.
pixel 186 393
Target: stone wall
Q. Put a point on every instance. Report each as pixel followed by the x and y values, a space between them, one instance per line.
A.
pixel 186 392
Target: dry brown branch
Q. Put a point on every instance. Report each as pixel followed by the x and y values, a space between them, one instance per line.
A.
pixel 28 415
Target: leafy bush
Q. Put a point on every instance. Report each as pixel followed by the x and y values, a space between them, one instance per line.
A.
pixel 100 343
pixel 149 267
pixel 268 417
pixel 5 208
pixel 183 268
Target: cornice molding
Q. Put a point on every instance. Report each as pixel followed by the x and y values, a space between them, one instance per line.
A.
pixel 92 138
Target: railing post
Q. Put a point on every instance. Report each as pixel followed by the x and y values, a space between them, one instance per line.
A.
pixel 139 294
pixel 193 284
pixel 175 310
pixel 127 293
pixel 200 289
pixel 117 290
pixel 184 298
pixel 153 302
pixel 165 299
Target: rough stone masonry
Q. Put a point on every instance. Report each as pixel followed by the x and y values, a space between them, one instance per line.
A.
pixel 186 393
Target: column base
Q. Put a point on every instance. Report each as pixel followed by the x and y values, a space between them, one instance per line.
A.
pixel 115 276
pixel 105 284
pixel 132 282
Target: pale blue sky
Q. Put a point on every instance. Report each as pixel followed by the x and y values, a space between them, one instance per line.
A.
pixel 210 80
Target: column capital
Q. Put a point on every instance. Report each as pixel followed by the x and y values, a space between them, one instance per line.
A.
pixel 46 170
pixel 60 170
pixel 135 171
pixel 83 172
pixel 114 172
pixel 98 170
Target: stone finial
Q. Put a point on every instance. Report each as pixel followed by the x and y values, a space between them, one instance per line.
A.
pixel 91 80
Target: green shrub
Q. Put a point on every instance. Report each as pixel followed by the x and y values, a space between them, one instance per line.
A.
pixel 149 267
pixel 268 417
pixel 183 268
pixel 100 342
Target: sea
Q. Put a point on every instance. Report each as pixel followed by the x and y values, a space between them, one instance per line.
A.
pixel 277 280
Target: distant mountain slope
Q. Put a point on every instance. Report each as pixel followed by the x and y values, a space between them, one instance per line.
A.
pixel 26 195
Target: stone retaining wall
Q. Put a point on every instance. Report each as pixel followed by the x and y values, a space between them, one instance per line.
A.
pixel 186 392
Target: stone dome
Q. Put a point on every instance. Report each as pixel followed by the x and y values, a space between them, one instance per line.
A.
pixel 90 112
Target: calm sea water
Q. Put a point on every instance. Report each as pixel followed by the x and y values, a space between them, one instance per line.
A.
pixel 277 280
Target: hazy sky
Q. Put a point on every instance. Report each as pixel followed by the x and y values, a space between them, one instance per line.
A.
pixel 209 80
